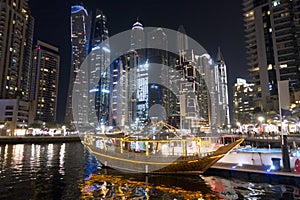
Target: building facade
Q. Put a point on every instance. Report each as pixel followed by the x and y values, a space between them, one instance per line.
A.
pixel 129 82
pixel 79 39
pixel 99 61
pixel 243 104
pixel 223 89
pixel 272 46
pixel 14 114
pixel 16 35
pixel 44 83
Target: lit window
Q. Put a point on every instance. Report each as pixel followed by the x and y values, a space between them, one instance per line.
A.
pixel 270 67
pixel 283 66
pixel 259 89
pixel 275 3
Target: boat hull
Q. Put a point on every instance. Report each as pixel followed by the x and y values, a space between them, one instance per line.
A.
pixel 137 163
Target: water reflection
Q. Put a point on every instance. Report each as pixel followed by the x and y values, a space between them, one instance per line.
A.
pixel 112 184
pixel 68 171
pixel 237 189
pixel 41 171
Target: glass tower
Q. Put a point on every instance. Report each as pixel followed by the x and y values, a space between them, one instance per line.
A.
pixel 79 31
pixel 99 53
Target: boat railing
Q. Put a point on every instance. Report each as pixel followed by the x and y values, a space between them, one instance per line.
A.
pixel 175 147
pixel 153 157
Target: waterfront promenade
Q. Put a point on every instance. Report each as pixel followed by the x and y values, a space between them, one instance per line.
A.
pixel 264 141
pixel 258 173
pixel 254 173
pixel 38 139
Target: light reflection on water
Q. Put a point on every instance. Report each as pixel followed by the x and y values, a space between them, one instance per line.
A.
pixel 68 171
pixel 41 171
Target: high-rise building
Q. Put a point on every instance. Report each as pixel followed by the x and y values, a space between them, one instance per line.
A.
pixel 243 104
pixel 14 114
pixel 146 86
pixel 157 72
pixel 223 89
pixel 130 81
pixel 213 92
pixel 99 60
pixel 195 101
pixel 137 38
pixel 44 84
pixel 16 35
pixel 272 45
pixel 79 39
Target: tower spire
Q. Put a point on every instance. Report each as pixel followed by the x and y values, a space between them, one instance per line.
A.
pixel 137 24
pixel 219 55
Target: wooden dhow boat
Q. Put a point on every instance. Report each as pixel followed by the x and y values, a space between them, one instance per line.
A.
pixel 168 154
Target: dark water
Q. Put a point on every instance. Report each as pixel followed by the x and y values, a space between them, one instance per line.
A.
pixel 68 171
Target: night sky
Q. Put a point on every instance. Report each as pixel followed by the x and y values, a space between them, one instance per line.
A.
pixel 212 23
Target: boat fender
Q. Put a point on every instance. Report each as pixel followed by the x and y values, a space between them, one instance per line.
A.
pixel 297 166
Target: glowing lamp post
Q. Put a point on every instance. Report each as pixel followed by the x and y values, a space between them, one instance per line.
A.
pixel 261 119
pixel 239 126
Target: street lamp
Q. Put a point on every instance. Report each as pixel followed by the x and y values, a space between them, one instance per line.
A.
pixel 261 119
pixel 1 128
pixel 239 126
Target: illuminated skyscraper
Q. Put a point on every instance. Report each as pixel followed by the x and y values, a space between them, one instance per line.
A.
pixel 195 98
pixel 223 90
pixel 209 108
pixel 44 85
pixel 272 31
pixel 243 101
pixel 79 31
pixel 16 35
pixel 99 51
pixel 137 36
pixel 157 58
pixel 130 81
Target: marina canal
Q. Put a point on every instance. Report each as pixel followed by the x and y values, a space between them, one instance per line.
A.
pixel 69 171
